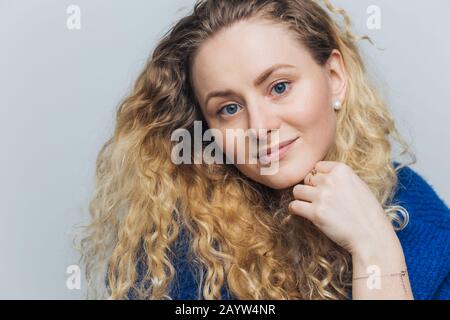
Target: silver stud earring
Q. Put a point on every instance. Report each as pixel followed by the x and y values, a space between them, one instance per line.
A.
pixel 337 105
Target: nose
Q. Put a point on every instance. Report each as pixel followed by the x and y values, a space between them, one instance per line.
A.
pixel 262 121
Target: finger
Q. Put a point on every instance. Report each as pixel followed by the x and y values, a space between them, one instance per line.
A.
pixel 301 208
pixel 313 179
pixel 326 166
pixel 304 192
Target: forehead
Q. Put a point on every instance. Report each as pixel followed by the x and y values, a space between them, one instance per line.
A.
pixel 239 53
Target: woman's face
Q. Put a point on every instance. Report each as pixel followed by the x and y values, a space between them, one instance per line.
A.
pixel 292 102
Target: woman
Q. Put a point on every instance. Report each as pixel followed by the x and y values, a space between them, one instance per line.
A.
pixel 330 222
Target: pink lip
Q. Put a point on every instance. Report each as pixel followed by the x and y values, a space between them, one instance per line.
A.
pixel 277 153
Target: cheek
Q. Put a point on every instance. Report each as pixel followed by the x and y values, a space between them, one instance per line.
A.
pixel 312 110
pixel 317 118
pixel 319 137
pixel 233 144
pixel 313 117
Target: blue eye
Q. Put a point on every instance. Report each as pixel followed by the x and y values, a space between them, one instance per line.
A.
pixel 280 86
pixel 231 108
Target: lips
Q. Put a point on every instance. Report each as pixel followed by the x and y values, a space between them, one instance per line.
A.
pixel 274 148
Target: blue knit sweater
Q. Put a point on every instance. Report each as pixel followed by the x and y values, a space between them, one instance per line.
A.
pixel 425 242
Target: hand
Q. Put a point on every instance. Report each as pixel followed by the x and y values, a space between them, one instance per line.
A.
pixel 342 206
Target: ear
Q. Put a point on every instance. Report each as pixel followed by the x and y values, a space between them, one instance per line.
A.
pixel 337 76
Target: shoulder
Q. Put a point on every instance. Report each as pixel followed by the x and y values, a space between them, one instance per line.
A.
pixel 416 192
pixel 426 237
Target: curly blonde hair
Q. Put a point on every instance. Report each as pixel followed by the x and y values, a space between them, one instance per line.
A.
pixel 240 232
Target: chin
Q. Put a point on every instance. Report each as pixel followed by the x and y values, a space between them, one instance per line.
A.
pixel 282 181
pixel 290 172
pixel 286 176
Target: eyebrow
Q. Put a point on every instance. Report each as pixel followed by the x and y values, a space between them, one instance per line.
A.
pixel 260 79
